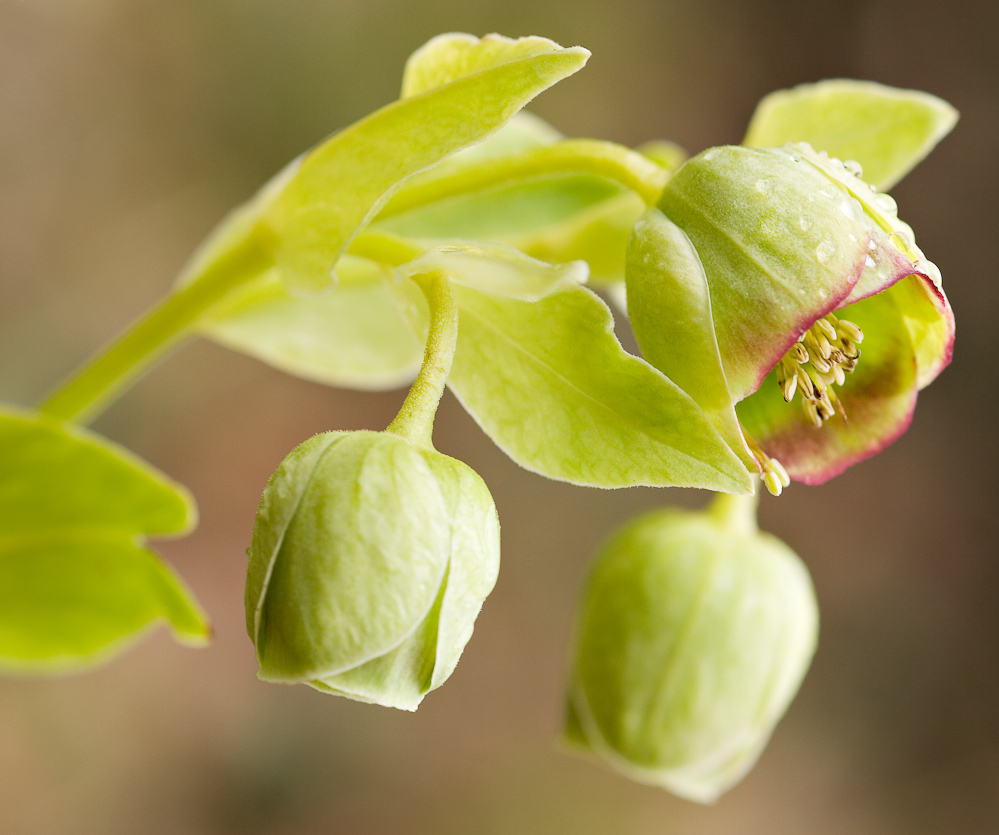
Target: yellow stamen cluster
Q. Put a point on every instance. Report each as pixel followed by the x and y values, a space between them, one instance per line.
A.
pixel 820 359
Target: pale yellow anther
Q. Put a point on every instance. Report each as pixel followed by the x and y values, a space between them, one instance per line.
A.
pixel 819 363
pixel 848 330
pixel 778 468
pixel 813 414
pixel 789 387
pixel 828 330
pixel 774 475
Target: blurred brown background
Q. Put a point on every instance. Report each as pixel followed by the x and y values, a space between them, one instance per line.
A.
pixel 127 128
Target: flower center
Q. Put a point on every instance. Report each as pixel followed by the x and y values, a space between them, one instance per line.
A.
pixel 816 363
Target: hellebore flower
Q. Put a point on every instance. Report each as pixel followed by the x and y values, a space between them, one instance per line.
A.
pixel 755 281
pixel 694 633
pixel 371 558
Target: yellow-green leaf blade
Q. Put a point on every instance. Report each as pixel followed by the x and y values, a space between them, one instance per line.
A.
pixel 56 476
pixel 74 603
pixel 887 130
pixel 550 383
pixel 76 583
pixel 343 182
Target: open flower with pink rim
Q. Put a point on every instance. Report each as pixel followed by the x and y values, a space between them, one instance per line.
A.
pixel 783 293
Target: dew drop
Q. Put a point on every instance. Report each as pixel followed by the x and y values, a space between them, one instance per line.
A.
pixel 869 262
pixel 854 167
pixel 804 223
pixel 852 208
pixel 899 241
pixel 825 251
pixel 886 203
pixel 765 185
pixel 710 155
pixel 930 270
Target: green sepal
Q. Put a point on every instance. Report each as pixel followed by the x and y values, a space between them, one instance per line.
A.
pixel 887 130
pixel 77 584
pixel 550 383
pixel 669 304
pixel 781 244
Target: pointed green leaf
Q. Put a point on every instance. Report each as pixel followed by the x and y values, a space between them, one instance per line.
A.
pixel 454 55
pixel 505 213
pixel 598 235
pixel 523 132
pixel 550 383
pixel 355 336
pixel 343 182
pixel 76 585
pixel 887 130
pixel 497 269
pixel 352 336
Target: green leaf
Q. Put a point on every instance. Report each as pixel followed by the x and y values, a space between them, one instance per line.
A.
pixel 352 336
pixel 550 383
pixel 76 583
pixel 505 213
pixel 887 130
pixel 497 269
pixel 454 55
pixel 598 235
pixel 523 132
pixel 343 182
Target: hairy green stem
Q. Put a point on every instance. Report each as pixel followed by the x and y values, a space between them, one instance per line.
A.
pixel 579 156
pixel 415 420
pixel 95 385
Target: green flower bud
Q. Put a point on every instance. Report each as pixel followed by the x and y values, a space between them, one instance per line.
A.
pixel 695 632
pixel 371 558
